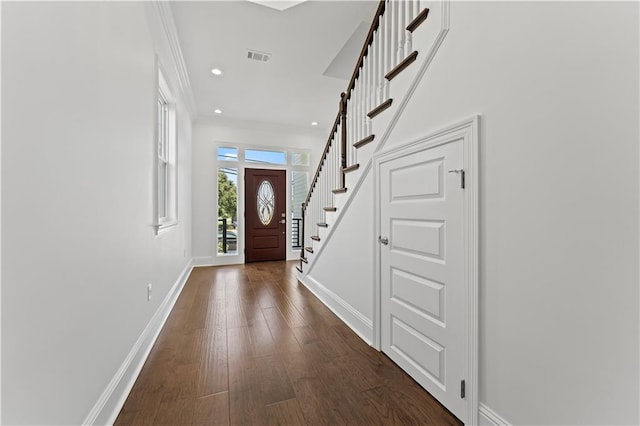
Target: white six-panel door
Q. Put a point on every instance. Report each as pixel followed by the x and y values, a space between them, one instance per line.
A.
pixel 423 287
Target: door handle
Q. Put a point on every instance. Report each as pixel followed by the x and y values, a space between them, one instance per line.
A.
pixel 383 240
pixel 283 221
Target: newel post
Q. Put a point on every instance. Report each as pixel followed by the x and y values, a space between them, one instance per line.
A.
pixel 301 231
pixel 343 137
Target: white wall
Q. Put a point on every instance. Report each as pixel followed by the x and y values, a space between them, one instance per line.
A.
pixel 348 274
pixel 556 85
pixel 78 111
pixel 207 134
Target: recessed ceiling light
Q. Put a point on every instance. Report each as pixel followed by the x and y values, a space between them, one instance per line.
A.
pixel 314 123
pixel 216 71
pixel 217 111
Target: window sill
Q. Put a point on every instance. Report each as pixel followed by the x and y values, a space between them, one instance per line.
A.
pixel 161 228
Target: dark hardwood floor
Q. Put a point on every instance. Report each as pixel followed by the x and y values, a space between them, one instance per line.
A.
pixel 249 345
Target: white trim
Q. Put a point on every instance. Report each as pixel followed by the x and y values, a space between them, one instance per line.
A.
pixel 108 406
pixel 359 323
pixel 163 10
pixel 170 196
pixel 0 230
pixel 466 131
pixel 488 416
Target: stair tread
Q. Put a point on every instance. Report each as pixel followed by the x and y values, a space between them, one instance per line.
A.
pixel 322 224
pixel 419 19
pixel 350 168
pixel 309 249
pixel 299 269
pixel 330 209
pixel 377 110
pixel 315 238
pixel 363 141
pixel 304 259
pixel 339 190
pixel 402 65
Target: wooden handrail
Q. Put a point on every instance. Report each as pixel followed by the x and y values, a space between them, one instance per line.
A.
pixel 322 158
pixel 344 97
pixel 367 42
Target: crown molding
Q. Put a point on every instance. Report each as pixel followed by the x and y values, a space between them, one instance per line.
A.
pixel 163 9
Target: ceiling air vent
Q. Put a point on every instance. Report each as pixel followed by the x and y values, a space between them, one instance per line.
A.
pixel 258 56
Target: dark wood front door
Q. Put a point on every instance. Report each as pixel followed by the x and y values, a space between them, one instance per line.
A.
pixel 265 207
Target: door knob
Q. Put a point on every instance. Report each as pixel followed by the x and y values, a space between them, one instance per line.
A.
pixel 383 240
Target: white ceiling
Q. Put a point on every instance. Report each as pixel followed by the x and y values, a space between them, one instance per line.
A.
pixel 314 46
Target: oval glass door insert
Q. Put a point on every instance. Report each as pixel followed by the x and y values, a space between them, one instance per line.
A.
pixel 266 202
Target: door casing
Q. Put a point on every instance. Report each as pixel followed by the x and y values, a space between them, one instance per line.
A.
pixel 467 131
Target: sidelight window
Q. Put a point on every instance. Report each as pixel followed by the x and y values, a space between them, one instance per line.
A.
pixel 227 210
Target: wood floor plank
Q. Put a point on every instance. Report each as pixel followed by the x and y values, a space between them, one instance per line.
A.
pixel 191 347
pixel 283 336
pixel 197 315
pixel 213 376
pixel 175 411
pixel 140 408
pixel 285 413
pixel 250 345
pixel 275 385
pixel 181 382
pixel 316 402
pixel 378 407
pixel 245 406
pixel 212 410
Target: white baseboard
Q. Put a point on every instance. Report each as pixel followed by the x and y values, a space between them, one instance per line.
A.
pixel 359 323
pixel 106 409
pixel 202 261
pixel 486 416
pixel 218 261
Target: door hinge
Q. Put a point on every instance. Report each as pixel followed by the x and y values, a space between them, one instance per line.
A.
pixel 461 173
pixel 462 389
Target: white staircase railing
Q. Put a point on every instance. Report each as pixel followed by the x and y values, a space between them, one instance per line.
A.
pixel 386 52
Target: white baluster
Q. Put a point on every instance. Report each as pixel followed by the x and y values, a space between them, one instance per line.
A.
pixel 380 60
pixel 401 30
pixel 374 66
pixel 334 163
pixel 354 110
pixel 350 139
pixel 366 93
pixel 334 171
pixel 393 48
pixel 353 118
pixel 408 43
pixel 330 173
pixel 336 168
pixel 416 9
pixel 358 117
pixel 372 91
pixel 387 47
pixel 362 90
